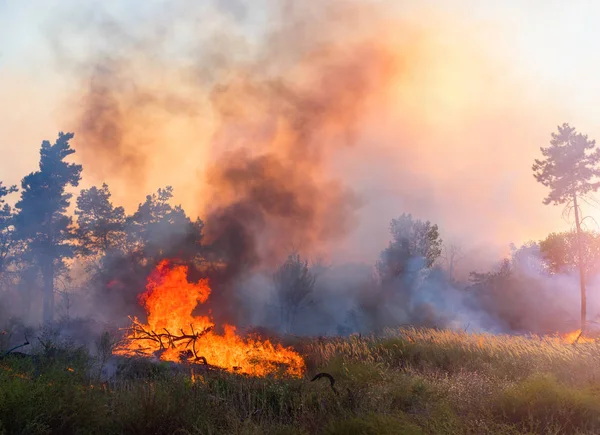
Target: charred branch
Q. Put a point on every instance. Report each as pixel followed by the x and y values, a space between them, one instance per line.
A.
pixel 15 348
pixel 328 376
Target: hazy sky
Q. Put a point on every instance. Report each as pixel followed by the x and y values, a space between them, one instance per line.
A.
pixel 488 84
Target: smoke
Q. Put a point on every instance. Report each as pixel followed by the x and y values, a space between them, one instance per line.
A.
pixel 272 118
pixel 150 92
pixel 308 126
pixel 271 192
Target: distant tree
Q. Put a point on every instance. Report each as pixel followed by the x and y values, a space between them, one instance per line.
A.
pixel 100 225
pixel 41 220
pixel 515 296
pixel 412 239
pixel 7 238
pixel 570 169
pixel 529 258
pixel 294 283
pixel 159 230
pixel 560 251
pixel 452 254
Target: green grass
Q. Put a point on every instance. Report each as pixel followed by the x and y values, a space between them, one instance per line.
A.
pixel 408 381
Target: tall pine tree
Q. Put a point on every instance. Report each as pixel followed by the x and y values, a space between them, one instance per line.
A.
pixel 41 220
pixel 570 170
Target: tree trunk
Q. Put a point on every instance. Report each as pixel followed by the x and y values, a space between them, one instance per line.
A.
pixel 48 278
pixel 581 266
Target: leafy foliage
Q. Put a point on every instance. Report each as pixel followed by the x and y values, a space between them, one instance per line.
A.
pixel 100 225
pixel 7 236
pixel 560 251
pixel 411 240
pixel 158 230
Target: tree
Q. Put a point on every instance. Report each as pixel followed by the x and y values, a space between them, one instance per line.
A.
pixel 100 225
pixel 294 283
pixel 7 242
pixel 560 251
pixel 158 230
pixel 452 254
pixel 519 296
pixel 41 220
pixel 570 170
pixel 411 240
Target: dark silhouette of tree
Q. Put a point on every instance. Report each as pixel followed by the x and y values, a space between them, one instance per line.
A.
pixel 41 220
pixel 570 170
pixel 100 225
pixel 560 251
pixel 7 237
pixel 294 283
pixel 158 230
pixel 452 254
pixel 411 240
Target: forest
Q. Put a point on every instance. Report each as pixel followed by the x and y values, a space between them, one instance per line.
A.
pixel 68 254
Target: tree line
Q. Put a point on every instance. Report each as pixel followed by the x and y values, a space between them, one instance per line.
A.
pixel 39 238
pixel 40 241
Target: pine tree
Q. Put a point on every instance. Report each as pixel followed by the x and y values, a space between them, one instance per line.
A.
pixel 7 242
pixel 100 225
pixel 41 220
pixel 158 230
pixel 570 170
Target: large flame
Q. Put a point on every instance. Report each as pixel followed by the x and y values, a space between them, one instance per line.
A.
pixel 172 330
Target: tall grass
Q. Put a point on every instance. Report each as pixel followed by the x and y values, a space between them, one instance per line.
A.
pixel 404 381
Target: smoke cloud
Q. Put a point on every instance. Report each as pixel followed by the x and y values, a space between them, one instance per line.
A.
pixel 157 94
pixel 308 126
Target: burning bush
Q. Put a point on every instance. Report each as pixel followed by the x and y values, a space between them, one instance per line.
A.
pixel 174 334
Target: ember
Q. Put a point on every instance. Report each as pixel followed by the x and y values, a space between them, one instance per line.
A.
pixel 174 333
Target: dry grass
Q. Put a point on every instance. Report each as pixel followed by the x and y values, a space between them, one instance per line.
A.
pixel 407 381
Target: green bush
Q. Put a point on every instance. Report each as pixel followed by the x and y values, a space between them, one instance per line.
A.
pixel 541 402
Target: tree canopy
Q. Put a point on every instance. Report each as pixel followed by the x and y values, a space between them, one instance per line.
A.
pixel 100 225
pixel 569 167
pixel 41 220
pixel 412 239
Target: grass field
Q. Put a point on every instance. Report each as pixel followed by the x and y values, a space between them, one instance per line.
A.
pixel 407 381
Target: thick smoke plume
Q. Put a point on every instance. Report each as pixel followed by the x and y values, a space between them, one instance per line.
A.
pixel 276 118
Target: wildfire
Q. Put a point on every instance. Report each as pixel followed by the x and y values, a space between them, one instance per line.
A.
pixel 174 333
pixel 576 336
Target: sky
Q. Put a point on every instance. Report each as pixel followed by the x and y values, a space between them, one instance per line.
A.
pixel 481 85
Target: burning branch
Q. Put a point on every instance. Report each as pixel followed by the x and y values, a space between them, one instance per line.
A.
pixel 172 333
pixel 137 331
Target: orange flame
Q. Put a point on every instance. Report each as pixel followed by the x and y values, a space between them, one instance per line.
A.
pixel 172 330
pixel 576 336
